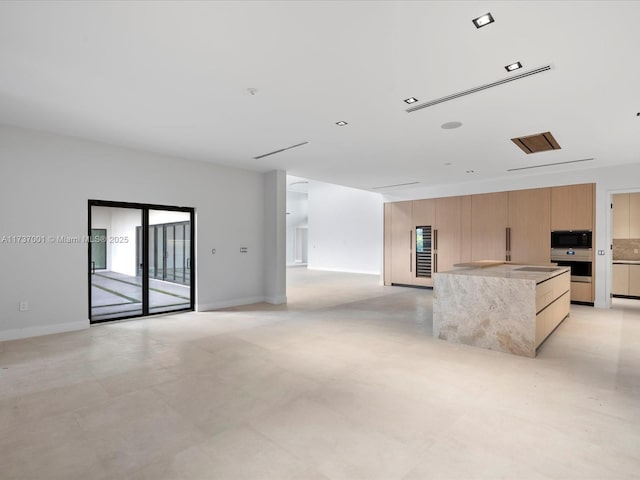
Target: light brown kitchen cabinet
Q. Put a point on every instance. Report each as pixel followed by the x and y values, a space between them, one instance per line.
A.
pixel 489 226
pixel 465 229
pixel 634 215
pixel 620 279
pixel 529 225
pixel 402 239
pixel 581 292
pixel 447 234
pixel 424 215
pixel 626 280
pixel 620 204
pixel 634 280
pixel 572 207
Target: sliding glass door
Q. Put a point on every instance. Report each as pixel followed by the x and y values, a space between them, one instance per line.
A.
pixel 147 267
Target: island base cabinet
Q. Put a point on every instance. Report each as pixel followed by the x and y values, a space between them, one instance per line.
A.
pixel 549 318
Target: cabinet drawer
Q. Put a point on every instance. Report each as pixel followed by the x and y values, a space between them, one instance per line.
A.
pixel 581 292
pixel 547 292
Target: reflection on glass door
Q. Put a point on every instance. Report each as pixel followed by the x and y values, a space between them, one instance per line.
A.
pixel 116 287
pixel 143 274
pixel 171 253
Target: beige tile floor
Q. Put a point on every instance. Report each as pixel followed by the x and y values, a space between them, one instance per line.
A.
pixel 344 382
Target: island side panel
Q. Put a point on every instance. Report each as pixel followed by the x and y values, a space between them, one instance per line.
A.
pixel 488 312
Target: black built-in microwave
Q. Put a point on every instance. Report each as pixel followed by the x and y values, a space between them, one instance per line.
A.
pixel 571 239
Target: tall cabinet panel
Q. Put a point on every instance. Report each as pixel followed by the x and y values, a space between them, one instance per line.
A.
pixel 424 218
pixel 489 226
pixel 402 238
pixel 447 235
pixel 465 229
pixel 529 225
pixel 634 215
pixel 572 207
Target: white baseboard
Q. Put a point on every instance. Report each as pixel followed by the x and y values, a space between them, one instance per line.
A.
pixel 344 270
pixel 234 302
pixel 28 332
pixel 276 300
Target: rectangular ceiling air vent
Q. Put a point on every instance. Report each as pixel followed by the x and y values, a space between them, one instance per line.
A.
pixel 540 142
pixel 453 96
pixel 279 151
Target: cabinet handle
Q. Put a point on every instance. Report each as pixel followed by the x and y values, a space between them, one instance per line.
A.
pixel 508 244
pixel 410 262
pixel 435 263
pixel 435 240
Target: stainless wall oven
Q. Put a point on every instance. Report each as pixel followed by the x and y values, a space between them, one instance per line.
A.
pixel 579 260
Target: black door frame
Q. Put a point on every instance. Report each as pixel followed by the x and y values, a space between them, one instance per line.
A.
pixel 145 207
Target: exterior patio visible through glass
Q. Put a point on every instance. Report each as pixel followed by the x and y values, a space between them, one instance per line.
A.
pixel 117 261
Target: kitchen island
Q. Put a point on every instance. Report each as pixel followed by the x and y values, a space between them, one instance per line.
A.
pixel 504 307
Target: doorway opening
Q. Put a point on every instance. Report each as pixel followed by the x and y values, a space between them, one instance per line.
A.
pixel 141 260
pixel 625 248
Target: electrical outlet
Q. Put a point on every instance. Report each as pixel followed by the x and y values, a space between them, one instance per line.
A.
pixel 600 252
pixel 635 250
pixel 24 306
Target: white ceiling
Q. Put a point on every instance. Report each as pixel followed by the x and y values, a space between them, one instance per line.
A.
pixel 172 77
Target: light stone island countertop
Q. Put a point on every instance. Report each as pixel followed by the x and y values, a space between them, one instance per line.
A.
pixel 626 262
pixel 505 307
pixel 510 271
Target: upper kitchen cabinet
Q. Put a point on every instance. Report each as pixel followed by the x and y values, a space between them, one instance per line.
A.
pixel 572 207
pixel 620 204
pixel 626 215
pixel 489 218
pixel 529 225
pixel 399 219
pixel 447 235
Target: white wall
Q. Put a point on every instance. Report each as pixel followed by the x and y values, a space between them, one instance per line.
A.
pixel 345 229
pixel 621 178
pixel 123 227
pixel 46 182
pixel 297 216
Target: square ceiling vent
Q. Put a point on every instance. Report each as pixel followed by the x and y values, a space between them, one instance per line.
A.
pixel 540 142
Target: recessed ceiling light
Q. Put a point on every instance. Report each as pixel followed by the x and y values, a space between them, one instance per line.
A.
pixel 483 20
pixel 341 123
pixel 410 100
pixel 447 164
pixel 470 171
pixel 451 125
pixel 513 66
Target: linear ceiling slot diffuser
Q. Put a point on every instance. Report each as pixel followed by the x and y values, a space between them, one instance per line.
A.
pixel 453 96
pixel 280 151
pixel 550 164
pixel 396 185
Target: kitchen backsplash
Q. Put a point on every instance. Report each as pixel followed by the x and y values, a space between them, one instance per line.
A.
pixel 626 249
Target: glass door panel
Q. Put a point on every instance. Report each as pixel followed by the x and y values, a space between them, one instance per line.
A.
pixel 169 291
pixel 116 289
